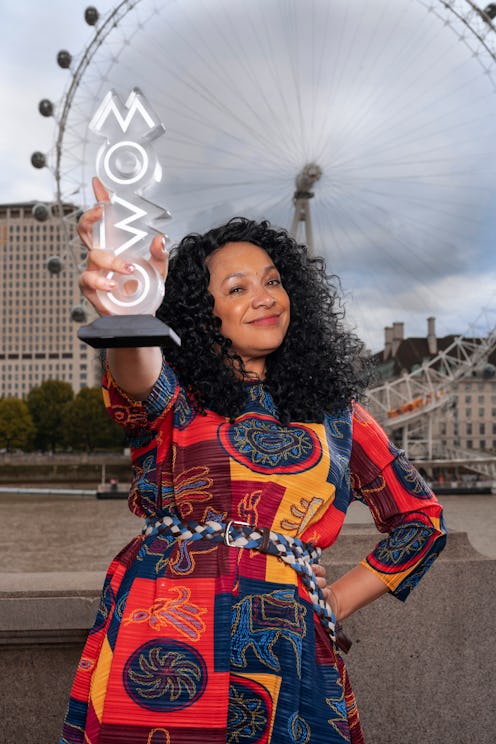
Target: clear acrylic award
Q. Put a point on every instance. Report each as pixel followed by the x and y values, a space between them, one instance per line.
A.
pixel 127 165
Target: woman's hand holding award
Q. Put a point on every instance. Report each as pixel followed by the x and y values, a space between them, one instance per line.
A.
pixel 127 165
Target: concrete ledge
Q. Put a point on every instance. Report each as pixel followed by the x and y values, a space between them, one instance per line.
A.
pixel 53 582
pixel 48 607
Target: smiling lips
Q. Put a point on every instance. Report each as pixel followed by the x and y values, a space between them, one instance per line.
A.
pixel 267 320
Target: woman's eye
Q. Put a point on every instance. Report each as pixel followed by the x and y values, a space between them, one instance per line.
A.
pixel 235 290
pixel 274 283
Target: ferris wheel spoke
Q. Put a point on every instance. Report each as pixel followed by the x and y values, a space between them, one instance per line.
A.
pixel 393 100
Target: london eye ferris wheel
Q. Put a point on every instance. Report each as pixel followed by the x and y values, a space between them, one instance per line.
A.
pixel 389 105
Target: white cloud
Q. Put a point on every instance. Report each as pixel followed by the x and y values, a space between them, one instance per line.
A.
pixel 457 303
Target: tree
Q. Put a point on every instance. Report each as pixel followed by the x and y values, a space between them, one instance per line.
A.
pixel 87 425
pixel 17 430
pixel 46 404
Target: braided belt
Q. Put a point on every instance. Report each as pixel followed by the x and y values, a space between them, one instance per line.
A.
pixel 299 555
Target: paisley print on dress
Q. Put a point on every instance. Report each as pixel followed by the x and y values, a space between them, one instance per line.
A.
pixel 262 444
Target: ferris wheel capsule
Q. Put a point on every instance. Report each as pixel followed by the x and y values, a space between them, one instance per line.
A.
pixel 91 15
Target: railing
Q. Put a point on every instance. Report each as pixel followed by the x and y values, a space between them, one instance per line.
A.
pixel 397 402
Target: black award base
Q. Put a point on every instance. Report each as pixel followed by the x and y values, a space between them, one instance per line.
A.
pixel 127 331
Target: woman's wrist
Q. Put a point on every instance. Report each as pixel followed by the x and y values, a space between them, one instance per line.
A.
pixel 354 590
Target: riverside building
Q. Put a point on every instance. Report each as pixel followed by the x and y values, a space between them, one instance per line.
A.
pixel 38 338
pixel 467 422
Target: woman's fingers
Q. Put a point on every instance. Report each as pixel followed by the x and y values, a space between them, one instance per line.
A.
pixel 320 575
pixel 100 264
pixel 101 193
pixel 86 225
pixel 159 256
pixel 91 216
pixel 329 594
pixel 107 261
pixel 99 260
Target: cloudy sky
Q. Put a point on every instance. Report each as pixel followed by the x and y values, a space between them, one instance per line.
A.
pixel 386 97
pixel 32 34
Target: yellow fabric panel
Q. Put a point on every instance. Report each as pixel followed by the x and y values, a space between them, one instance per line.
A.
pixel 307 495
pixel 391 580
pixel 279 572
pixel 99 681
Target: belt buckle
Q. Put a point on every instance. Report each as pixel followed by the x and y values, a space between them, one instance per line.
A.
pixel 233 523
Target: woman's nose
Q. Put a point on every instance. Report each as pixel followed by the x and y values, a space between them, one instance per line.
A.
pixel 263 298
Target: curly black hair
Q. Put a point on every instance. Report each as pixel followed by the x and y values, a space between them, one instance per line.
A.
pixel 320 366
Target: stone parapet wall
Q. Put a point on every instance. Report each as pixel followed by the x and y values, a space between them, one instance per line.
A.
pixel 22 475
pixel 423 671
pixel 43 468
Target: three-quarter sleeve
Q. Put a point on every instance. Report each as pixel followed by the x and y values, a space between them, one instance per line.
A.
pixel 148 424
pixel 402 505
pixel 141 415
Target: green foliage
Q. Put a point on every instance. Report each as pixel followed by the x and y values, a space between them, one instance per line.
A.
pixel 87 425
pixel 46 404
pixel 17 430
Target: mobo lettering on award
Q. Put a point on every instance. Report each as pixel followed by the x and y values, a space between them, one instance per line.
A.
pixel 127 164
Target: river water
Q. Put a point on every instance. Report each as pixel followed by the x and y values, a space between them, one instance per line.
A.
pixel 80 533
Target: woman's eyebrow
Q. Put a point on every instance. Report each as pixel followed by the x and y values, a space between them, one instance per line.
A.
pixel 237 274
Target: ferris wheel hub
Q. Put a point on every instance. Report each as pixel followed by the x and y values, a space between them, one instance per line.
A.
pixel 306 178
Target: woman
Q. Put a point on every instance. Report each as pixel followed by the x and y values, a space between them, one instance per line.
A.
pixel 247 446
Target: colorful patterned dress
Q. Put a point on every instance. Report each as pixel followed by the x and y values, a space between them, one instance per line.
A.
pixel 201 642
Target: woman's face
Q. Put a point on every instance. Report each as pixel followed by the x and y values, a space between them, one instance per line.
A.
pixel 250 301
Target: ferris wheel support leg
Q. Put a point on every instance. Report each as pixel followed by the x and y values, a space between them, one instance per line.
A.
pixel 295 223
pixel 302 216
pixel 304 182
pixel 429 437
